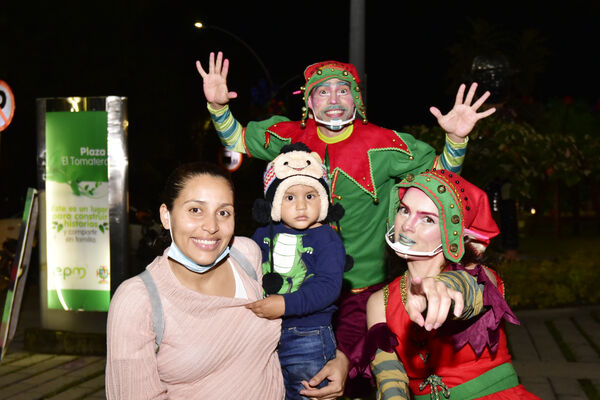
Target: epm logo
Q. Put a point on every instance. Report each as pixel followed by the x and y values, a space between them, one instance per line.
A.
pixel 71 272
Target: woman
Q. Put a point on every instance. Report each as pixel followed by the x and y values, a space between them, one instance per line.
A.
pixel 213 346
pixel 442 224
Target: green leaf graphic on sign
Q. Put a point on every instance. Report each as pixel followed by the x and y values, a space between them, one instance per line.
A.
pixel 57 226
pixel 103 227
pixel 75 187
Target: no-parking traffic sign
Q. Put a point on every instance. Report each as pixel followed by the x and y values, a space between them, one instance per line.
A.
pixel 7 105
pixel 229 159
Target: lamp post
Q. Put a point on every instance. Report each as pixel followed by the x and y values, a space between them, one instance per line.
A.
pixel 357 41
pixel 201 25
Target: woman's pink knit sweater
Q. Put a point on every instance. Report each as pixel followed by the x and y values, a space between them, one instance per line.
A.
pixel 212 348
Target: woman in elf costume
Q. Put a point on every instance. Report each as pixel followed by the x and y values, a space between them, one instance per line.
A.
pixel 442 223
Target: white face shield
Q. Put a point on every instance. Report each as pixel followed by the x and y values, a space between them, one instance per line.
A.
pixel 335 124
pixel 402 245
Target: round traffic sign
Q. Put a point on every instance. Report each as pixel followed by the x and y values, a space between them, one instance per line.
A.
pixel 7 105
pixel 229 159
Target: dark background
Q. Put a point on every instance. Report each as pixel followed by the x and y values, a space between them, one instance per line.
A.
pixel 416 55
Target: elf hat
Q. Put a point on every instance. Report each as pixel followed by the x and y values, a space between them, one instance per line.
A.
pixel 464 210
pixel 320 72
pixel 295 165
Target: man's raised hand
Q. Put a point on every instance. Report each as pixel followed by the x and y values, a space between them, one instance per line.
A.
pixel 459 122
pixel 215 81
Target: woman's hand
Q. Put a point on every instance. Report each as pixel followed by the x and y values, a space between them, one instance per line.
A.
pixel 459 122
pixel 336 371
pixel 215 81
pixel 435 297
pixel 272 307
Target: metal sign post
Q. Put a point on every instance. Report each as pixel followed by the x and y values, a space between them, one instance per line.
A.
pixel 19 270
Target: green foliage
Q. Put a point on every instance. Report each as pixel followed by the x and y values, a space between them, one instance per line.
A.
pixel 576 122
pixel 557 145
pixel 499 148
pixel 565 281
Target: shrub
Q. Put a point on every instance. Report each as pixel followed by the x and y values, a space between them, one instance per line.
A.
pixel 563 281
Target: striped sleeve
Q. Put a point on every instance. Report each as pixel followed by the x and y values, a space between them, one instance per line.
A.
pixel 391 377
pixel 453 156
pixel 472 292
pixel 228 128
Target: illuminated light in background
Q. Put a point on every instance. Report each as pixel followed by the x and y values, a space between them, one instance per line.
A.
pixel 532 211
pixel 74 101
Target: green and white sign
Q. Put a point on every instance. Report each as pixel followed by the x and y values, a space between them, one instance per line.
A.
pixel 77 205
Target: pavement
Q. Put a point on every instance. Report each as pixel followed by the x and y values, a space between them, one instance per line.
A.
pixel 556 353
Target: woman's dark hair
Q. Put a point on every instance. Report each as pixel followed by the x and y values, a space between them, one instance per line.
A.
pixel 471 256
pixel 183 173
pixel 173 187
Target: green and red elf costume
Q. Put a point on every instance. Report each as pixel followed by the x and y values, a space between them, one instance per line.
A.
pixel 364 162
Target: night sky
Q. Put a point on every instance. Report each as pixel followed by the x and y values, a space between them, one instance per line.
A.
pixel 145 50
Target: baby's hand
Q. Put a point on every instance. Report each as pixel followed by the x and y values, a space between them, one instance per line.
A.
pixel 272 307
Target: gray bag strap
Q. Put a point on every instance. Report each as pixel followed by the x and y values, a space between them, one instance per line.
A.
pixel 157 310
pixel 243 261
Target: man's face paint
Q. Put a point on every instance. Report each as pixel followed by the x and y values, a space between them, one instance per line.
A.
pixel 332 104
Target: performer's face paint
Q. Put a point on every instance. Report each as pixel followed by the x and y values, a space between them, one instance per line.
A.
pixel 301 207
pixel 201 219
pixel 332 104
pixel 416 226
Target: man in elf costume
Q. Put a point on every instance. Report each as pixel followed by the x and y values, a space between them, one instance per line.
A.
pixel 364 161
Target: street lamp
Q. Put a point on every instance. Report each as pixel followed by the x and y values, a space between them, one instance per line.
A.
pixel 201 25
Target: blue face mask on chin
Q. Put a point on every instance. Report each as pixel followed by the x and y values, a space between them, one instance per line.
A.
pixel 176 255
